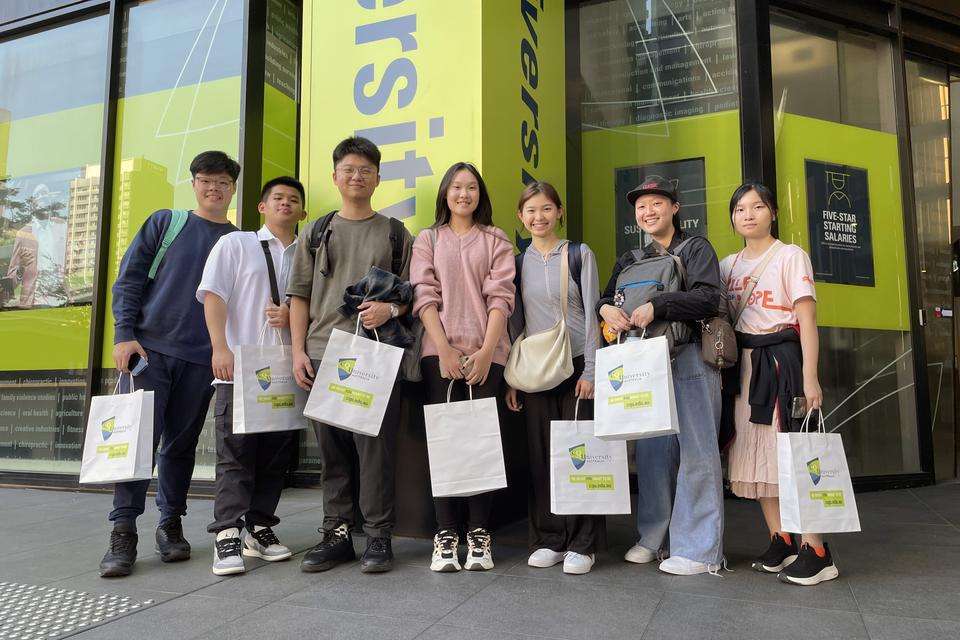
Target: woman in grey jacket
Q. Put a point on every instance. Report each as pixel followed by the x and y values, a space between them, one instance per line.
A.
pixel 554 539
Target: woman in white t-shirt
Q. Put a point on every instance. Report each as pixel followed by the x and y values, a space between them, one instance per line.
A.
pixel 777 334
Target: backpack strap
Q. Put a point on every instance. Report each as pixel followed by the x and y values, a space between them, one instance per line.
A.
pixel 575 262
pixel 319 237
pixel 178 220
pixel 396 244
pixel 271 273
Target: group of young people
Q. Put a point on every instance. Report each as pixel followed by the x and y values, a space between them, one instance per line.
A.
pixel 217 288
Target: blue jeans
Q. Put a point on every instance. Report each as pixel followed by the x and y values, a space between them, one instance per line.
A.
pixel 680 497
pixel 181 396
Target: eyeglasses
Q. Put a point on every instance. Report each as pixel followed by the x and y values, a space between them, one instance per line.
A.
pixel 219 185
pixel 363 173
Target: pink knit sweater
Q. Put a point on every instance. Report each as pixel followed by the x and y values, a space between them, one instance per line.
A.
pixel 465 278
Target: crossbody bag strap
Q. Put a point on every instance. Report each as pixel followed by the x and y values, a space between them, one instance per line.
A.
pixel 754 279
pixel 271 273
pixel 564 281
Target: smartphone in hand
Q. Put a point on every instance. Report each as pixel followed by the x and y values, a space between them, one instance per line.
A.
pixel 136 364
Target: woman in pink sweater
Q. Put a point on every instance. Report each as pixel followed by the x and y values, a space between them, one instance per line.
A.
pixel 462 270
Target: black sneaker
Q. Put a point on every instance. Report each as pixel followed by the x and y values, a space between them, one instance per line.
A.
pixel 378 556
pixel 171 545
pixel 335 548
pixel 119 558
pixel 777 556
pixel 809 568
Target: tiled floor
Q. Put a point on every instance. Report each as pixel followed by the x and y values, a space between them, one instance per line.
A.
pixel 900 578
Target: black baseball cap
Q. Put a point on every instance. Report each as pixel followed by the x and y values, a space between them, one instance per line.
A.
pixel 653 184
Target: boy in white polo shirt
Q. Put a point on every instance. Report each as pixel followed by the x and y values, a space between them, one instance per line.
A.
pixel 238 297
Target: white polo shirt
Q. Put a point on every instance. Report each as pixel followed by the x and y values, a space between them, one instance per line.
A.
pixel 236 270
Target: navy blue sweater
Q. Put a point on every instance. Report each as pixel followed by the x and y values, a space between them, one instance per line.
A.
pixel 163 314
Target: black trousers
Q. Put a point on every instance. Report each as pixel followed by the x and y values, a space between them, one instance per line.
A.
pixel 449 510
pixel 250 470
pixel 548 531
pixel 345 455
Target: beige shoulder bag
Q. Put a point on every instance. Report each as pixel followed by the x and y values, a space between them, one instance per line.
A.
pixel 542 361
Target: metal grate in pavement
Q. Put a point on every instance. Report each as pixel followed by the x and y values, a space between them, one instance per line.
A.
pixel 31 612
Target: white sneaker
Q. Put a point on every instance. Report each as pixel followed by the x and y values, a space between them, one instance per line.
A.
pixel 577 563
pixel 445 558
pixel 543 558
pixel 684 567
pixel 263 544
pixel 226 553
pixel 479 556
pixel 639 554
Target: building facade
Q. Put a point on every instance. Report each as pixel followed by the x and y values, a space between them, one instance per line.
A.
pixel 850 109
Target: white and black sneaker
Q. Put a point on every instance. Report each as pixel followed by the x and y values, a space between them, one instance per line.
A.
pixel 263 543
pixel 479 556
pixel 226 553
pixel 778 556
pixel 809 568
pixel 445 558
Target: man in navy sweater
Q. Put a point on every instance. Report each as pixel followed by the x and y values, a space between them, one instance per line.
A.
pixel 159 320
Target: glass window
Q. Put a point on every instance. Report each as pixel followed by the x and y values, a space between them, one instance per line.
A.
pixel 179 95
pixel 838 172
pixel 928 94
pixel 51 123
pixel 655 94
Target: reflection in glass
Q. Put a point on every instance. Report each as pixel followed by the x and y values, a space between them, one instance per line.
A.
pixel 928 95
pixel 834 102
pixel 51 118
pixel 180 95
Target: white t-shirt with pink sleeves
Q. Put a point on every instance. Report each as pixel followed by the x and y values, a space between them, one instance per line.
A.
pixel 787 278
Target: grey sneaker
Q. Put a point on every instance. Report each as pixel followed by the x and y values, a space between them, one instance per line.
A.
pixel 264 544
pixel 226 553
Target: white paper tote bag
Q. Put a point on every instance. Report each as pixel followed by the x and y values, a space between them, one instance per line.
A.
pixel 634 391
pixel 588 476
pixel 353 382
pixel 816 494
pixel 118 445
pixel 464 446
pixel 265 395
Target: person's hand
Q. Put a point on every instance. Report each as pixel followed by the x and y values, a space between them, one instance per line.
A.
pixel 277 316
pixel 477 366
pixel 303 370
pixel 616 318
pixel 642 315
pixel 374 314
pixel 223 364
pixel 450 363
pixel 513 399
pixel 812 392
pixel 584 390
pixel 123 351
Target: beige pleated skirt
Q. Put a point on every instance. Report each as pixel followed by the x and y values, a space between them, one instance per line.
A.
pixel 753 454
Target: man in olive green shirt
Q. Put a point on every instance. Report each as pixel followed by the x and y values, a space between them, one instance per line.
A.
pixel 355 239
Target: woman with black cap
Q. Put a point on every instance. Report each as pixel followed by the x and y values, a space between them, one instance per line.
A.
pixel 680 500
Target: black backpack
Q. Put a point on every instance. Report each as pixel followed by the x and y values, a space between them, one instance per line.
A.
pixel 320 236
pixel 574 259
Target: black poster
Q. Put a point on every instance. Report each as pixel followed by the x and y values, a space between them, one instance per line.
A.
pixel 690 181
pixel 838 212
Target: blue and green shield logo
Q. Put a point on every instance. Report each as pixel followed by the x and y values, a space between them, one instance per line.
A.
pixel 615 376
pixel 107 427
pixel 263 377
pixel 345 367
pixel 813 468
pixel 578 456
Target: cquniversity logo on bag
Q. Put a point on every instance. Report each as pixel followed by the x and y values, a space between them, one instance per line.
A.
pixel 813 468
pixel 264 378
pixel 345 367
pixel 107 427
pixel 578 456
pixel 615 376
